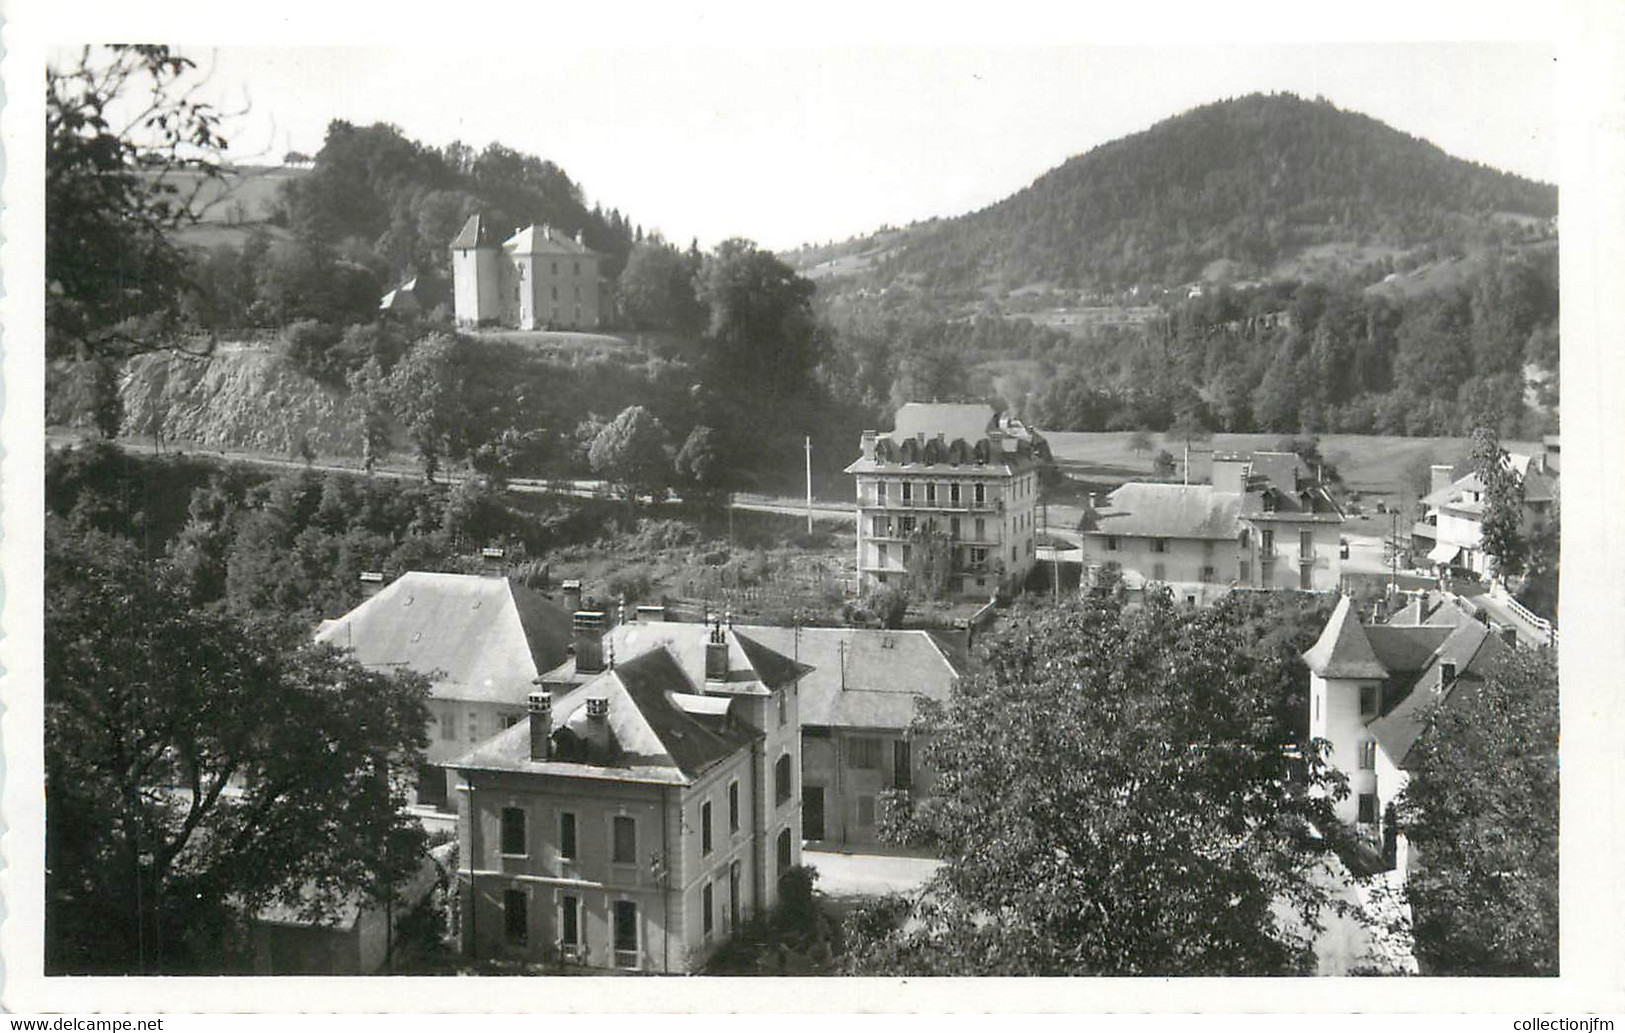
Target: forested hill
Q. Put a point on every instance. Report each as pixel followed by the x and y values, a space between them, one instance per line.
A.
pixel 1254 180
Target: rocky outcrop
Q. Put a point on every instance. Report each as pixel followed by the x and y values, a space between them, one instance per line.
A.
pixel 241 397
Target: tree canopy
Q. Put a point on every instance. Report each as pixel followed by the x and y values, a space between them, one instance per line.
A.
pixel 1502 535
pixel 1114 798
pixel 632 451
pixel 1481 809
pixel 199 767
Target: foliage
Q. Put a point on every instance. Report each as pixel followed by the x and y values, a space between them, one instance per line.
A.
pixel 631 451
pixel 122 126
pixel 930 565
pixel 1113 798
pixel 1539 591
pixel 1502 536
pixel 1165 464
pixel 199 767
pixel 1481 810
pixel 700 468
pixel 889 603
pixel 656 289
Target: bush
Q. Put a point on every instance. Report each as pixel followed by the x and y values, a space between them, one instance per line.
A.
pixel 796 903
pixel 890 605
pixel 629 585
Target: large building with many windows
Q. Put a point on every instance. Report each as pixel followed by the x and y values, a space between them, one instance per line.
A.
pixel 1264 522
pixel 538 279
pixel 646 805
pixel 955 483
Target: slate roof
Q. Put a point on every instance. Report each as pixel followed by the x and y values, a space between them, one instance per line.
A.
pixel 862 677
pixel 970 422
pixel 1146 510
pixel 537 239
pixel 753 668
pixel 957 422
pixel 487 638
pixel 648 734
pixel 1343 649
pixel 476 232
pixel 1474 649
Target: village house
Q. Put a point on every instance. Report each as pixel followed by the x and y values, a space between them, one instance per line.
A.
pixel 1450 532
pixel 483 640
pixel 960 475
pixel 857 705
pixel 538 279
pixel 647 804
pixel 1370 688
pixel 1264 522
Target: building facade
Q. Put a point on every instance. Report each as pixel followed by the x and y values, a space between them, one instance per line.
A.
pixel 638 814
pixel 1262 523
pixel 1370 688
pixel 538 279
pixel 954 479
pixel 1450 530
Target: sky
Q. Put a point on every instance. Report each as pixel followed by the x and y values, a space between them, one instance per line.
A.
pixel 790 145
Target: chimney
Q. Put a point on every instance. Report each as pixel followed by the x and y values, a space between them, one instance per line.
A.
pixel 588 627
pixel 491 561
pixel 547 231
pixel 1441 477
pixel 541 726
pixel 651 614
pixel 371 582
pixel 572 595
pixel 869 444
pixel 716 655
pixel 598 708
pixel 620 615
pixel 1447 673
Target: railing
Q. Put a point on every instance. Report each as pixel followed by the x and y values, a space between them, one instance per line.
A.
pixel 987 506
pixel 1541 623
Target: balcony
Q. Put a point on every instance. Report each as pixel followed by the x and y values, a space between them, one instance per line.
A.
pixel 941 505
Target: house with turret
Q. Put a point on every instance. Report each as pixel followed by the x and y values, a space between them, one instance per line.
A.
pixel 539 278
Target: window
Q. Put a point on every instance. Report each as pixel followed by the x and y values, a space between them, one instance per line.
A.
pixel 931 494
pixel 1306 545
pixel 733 806
pixel 1368 756
pixel 1368 808
pixel 1159 545
pixel 707 915
pixel 786 852
pixel 567 836
pixel 953 494
pixel 880 554
pixel 1266 544
pixel 473 726
pixel 626 934
pixel 624 840
pixel 980 494
pixel 570 922
pixel 448 725
pixel 705 827
pixel 1368 701
pixel 908 553
pixel 1111 543
pixel 1208 575
pixel 908 492
pixel 880 492
pixel 784 706
pixel 905 525
pixel 513 831
pixel 1317 706
pixel 1244 572
pixel 978 555
pixel 555 292
pixel 509 720
pixel 555 269
pixel 865 753
pixel 866 810
pixel 1207 547
pixel 781 779
pixel 516 917
pixel 953 527
pixel 1159 572
pixel 981 529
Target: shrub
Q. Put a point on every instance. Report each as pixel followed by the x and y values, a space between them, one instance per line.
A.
pixel 629 584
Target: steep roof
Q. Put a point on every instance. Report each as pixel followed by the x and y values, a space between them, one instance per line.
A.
pixel 1146 510
pixel 481 638
pixel 753 669
pixel 862 677
pixel 647 734
pixel 1473 649
pixel 537 239
pixel 1343 650
pixel 476 232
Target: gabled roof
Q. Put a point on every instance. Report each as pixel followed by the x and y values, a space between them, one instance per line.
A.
pixel 481 638
pixel 537 239
pixel 1343 650
pixel 863 677
pixel 1473 649
pixel 647 734
pixel 1140 509
pixel 476 232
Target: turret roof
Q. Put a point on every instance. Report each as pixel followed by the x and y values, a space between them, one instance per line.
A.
pixel 1343 650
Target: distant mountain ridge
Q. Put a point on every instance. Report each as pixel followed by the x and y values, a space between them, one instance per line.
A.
pixel 1247 182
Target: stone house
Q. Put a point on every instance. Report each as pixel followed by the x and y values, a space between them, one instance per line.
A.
pixel 539 278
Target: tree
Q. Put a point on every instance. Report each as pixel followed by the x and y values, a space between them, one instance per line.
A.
pixel 1140 442
pixel 930 563
pixel 1165 464
pixel 631 452
pixel 1501 537
pixel 427 390
pixel 699 467
pixel 127 150
pixel 1113 798
pixel 1481 810
pixel 199 767
pixel 762 340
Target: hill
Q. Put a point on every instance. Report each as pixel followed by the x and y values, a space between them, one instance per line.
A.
pixel 1243 188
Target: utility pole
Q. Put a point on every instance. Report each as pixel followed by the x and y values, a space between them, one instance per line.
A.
pixel 809 484
pixel 1393 552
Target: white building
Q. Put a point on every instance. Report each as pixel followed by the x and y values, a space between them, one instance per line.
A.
pixel 954 471
pixel 539 278
pixel 1451 530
